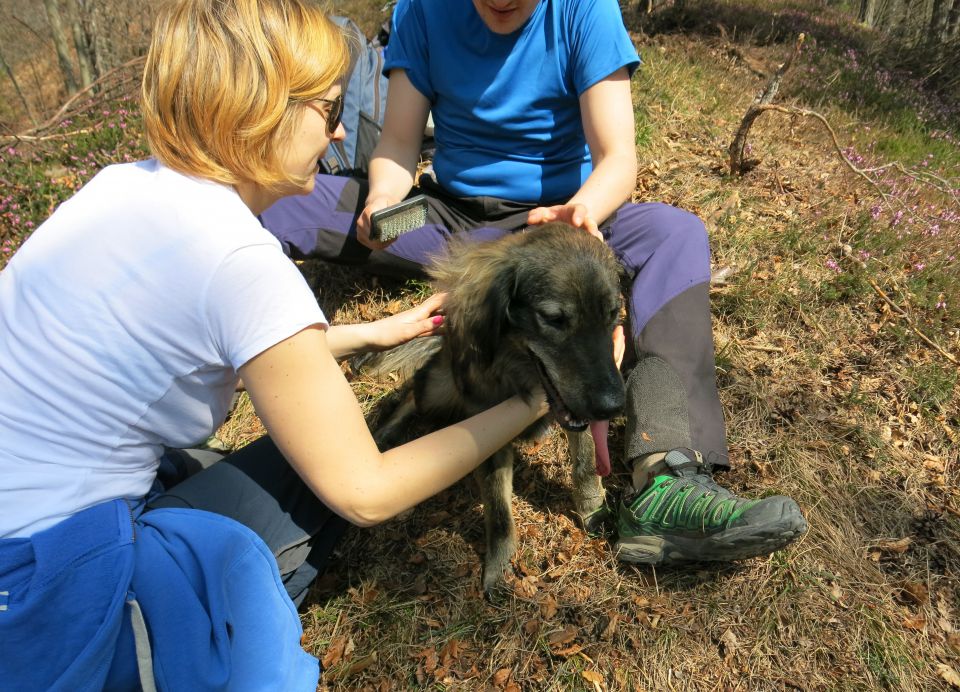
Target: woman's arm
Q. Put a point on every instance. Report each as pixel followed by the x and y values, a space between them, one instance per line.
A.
pixel 393 163
pixel 314 418
pixel 348 340
pixel 607 112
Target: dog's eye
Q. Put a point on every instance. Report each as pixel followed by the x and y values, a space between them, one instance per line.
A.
pixel 557 320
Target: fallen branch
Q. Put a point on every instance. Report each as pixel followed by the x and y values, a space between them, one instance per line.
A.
pixel 793 110
pixel 737 164
pixel 44 138
pixel 31 133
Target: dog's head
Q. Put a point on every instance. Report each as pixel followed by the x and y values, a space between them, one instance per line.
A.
pixel 536 308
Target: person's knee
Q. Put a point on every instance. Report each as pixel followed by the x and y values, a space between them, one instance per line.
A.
pixel 655 229
pixel 683 227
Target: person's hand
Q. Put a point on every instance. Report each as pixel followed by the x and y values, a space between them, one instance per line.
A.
pixel 363 221
pixel 571 214
pixel 539 406
pixel 619 345
pixel 426 319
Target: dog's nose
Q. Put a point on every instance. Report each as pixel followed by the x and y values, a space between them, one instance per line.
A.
pixel 608 403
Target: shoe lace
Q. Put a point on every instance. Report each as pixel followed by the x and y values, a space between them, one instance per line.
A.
pixel 688 499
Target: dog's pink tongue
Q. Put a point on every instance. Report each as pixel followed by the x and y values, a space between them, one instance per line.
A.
pixel 598 430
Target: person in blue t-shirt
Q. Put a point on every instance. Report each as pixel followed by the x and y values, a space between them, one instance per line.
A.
pixel 533 122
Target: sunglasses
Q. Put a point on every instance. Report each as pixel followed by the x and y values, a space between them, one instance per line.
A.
pixel 334 112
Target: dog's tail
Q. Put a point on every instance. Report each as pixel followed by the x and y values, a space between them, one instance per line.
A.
pixel 398 364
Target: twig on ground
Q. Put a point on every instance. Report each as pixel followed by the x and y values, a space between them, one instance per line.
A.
pixel 737 164
pixel 810 320
pixel 761 347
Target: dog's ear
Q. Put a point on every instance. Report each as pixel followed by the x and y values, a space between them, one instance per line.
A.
pixel 481 313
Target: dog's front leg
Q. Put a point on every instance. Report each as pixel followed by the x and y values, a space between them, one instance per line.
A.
pixel 390 433
pixel 495 477
pixel 588 492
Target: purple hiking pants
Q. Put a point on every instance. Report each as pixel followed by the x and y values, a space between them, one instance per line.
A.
pixel 663 250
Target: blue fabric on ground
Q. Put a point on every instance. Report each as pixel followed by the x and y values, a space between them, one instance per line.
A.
pixel 66 591
pixel 217 613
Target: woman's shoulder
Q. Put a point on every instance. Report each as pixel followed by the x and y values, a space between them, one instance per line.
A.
pixel 149 182
pixel 150 198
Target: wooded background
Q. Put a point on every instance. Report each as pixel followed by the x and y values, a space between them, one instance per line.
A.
pixel 55 48
pixel 50 50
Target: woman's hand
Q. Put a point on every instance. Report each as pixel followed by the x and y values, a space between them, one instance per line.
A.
pixel 426 319
pixel 571 214
pixel 348 340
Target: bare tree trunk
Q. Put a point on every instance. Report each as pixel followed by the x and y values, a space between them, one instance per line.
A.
pixel 953 22
pixel 87 41
pixel 60 43
pixel 84 53
pixel 906 29
pixel 936 33
pixel 867 11
pixel 98 41
pixel 16 87
pixel 38 86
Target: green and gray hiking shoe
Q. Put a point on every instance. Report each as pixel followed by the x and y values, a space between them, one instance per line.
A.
pixel 684 516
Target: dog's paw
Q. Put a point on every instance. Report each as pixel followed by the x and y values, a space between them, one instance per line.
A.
pixel 597 523
pixel 496 588
pixel 497 578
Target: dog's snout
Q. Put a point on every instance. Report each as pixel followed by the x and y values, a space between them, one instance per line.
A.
pixel 608 403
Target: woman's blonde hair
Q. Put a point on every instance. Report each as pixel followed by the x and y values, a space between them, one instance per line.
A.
pixel 225 81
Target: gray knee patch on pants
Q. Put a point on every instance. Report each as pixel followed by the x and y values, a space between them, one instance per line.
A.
pixel 657 416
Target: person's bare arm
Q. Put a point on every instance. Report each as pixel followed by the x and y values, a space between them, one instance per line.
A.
pixel 425 319
pixel 314 418
pixel 394 161
pixel 607 113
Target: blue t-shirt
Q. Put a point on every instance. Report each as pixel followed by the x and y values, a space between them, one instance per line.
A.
pixel 506 108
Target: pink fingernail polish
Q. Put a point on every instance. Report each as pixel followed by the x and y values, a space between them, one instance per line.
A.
pixel 437 320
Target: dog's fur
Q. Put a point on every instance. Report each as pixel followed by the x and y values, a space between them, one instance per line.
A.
pixel 532 310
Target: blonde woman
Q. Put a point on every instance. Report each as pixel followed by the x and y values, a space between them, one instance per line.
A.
pixel 126 320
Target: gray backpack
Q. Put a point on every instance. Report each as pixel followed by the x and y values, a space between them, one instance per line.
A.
pixel 364 100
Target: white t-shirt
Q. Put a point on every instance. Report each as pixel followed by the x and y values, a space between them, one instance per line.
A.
pixel 123 321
